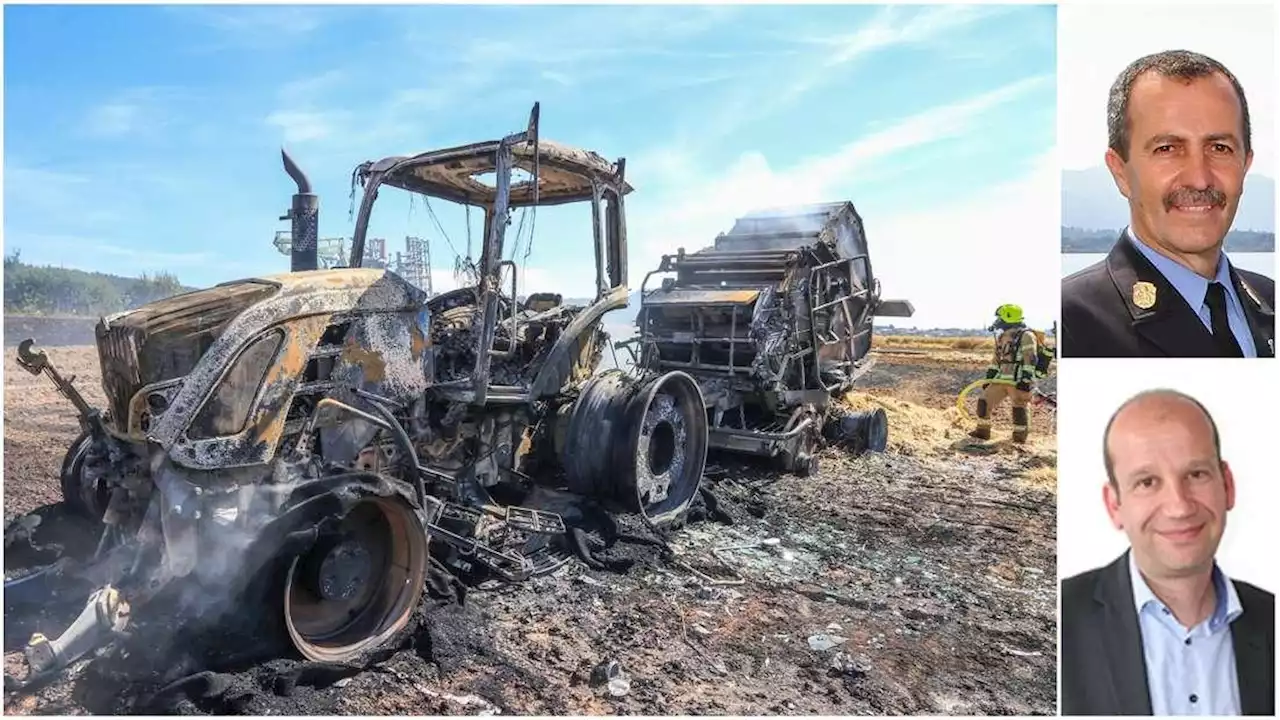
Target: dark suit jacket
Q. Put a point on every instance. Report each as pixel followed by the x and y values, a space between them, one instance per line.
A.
pixel 1099 318
pixel 1103 669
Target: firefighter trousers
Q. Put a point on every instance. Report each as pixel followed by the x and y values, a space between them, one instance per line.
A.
pixel 992 397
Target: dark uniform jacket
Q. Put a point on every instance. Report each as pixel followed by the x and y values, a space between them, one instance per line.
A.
pixel 1100 319
pixel 1103 669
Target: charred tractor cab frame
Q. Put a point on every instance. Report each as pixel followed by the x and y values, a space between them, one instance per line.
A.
pixel 559 174
pixel 318 435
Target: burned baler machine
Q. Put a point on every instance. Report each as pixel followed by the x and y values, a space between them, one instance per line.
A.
pixel 327 431
pixel 774 320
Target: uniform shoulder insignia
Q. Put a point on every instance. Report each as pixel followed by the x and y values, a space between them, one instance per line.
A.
pixel 1144 294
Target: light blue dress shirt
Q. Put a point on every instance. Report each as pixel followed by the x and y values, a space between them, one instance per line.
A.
pixel 1189 671
pixel 1193 289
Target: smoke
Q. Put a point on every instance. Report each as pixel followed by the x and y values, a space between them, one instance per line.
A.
pixel 206 545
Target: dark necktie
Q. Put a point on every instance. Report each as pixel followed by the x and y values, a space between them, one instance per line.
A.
pixel 1216 299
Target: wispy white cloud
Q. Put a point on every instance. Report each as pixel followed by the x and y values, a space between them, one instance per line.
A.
pixel 886 31
pixel 685 203
pixel 960 235
pixel 896 25
pixel 20 178
pixel 309 110
pixel 698 204
pixel 38 193
pixel 135 112
pixel 695 203
pixel 257 26
pixel 578 46
pixel 98 253
pixel 573 35
pixel 920 253
pixel 829 56
pixel 300 126
pixel 931 126
pixel 151 257
pixel 558 78
pixel 566 50
pixel 68 247
pixel 590 45
pixel 113 119
pixel 311 88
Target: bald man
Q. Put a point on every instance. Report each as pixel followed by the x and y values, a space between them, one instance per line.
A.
pixel 1162 630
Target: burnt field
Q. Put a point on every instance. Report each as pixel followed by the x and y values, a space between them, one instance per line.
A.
pixel 921 580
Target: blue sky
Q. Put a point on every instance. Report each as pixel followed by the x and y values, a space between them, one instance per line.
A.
pixel 147 138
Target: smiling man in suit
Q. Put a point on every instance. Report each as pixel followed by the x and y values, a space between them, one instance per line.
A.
pixel 1162 630
pixel 1179 150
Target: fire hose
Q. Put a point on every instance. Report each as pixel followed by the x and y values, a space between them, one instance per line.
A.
pixel 964 408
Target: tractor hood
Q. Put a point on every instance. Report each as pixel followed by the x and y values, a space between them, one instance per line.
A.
pixel 164 340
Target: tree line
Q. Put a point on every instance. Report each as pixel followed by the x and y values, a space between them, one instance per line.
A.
pixel 36 290
pixel 1081 240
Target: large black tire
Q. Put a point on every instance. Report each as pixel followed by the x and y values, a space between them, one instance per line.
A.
pixel 639 443
pixel 90 503
pixel 860 432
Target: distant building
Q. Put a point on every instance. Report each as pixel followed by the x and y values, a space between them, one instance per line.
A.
pixel 414 264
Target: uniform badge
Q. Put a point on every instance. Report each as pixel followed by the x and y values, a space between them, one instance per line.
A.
pixel 1144 295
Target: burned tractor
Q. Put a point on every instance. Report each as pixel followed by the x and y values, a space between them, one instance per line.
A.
pixel 325 434
pixel 774 321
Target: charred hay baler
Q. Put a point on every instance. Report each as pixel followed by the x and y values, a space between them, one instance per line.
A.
pixel 322 435
pixel 774 321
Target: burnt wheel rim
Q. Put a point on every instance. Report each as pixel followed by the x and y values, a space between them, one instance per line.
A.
pixel 359 585
pixel 669 447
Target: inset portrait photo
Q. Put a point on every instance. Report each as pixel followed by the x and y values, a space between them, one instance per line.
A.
pixel 1167 141
pixel 1166 543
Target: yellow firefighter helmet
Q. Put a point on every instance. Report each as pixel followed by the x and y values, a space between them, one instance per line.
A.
pixel 1009 313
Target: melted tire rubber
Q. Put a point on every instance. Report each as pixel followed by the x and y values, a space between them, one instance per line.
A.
pixel 232 663
pixel 205 673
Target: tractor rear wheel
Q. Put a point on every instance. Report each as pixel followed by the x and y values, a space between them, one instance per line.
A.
pixel 358 585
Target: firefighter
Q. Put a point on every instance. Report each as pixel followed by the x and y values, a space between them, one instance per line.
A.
pixel 1012 369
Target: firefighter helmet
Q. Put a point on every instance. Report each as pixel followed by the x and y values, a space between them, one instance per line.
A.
pixel 1009 314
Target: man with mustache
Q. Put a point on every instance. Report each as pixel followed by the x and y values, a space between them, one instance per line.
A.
pixel 1179 150
pixel 1162 630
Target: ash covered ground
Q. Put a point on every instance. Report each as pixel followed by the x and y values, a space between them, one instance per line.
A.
pixel 921 580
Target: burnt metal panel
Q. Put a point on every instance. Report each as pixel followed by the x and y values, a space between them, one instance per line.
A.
pixel 565 173
pixel 315 294
pixel 694 296
pixel 895 308
pixel 165 340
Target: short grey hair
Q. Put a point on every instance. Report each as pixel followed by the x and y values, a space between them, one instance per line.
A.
pixel 1180 64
